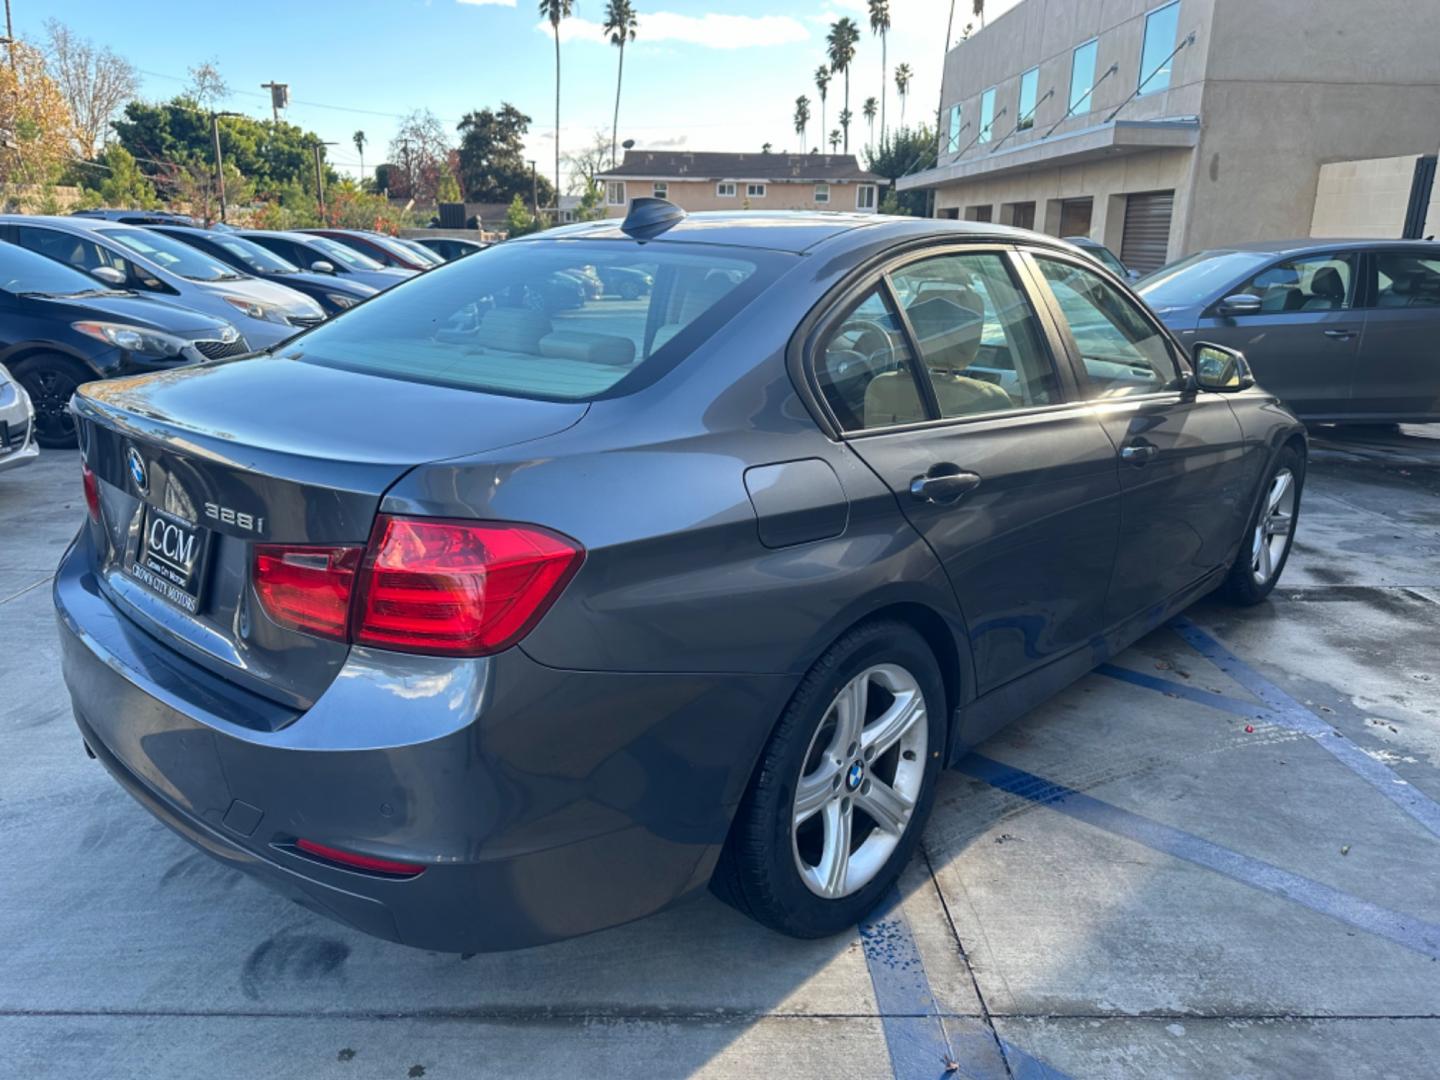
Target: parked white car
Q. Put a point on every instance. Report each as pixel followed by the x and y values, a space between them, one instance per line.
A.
pixel 17 424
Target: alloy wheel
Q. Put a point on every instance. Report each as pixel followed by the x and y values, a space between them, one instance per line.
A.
pixel 50 391
pixel 860 781
pixel 1272 530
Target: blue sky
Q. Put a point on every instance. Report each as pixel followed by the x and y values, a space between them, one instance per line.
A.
pixel 702 75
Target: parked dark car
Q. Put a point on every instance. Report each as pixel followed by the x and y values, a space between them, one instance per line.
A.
pixel 431 258
pixel 139 259
pixel 60 328
pixel 386 250
pixel 321 255
pixel 451 248
pixel 1342 330
pixel 1104 256
pixel 139 217
pixel 327 290
pixel 477 626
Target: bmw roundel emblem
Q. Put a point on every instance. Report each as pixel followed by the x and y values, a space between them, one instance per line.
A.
pixel 854 776
pixel 137 471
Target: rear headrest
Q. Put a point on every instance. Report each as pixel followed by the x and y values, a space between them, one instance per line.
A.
pixel 514 329
pixel 591 348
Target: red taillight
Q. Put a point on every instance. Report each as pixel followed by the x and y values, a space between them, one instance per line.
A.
pixel 358 862
pixel 458 588
pixel 306 587
pixel 92 491
pixel 425 585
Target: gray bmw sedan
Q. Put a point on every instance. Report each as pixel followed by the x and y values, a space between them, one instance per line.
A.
pixel 496 611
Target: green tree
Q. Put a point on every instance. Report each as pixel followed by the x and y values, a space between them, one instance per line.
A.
pixel 359 140
pixel 557 11
pixel 448 189
pixel 868 111
pixel 840 46
pixel 620 24
pixel 834 140
pixel 493 167
pixel 880 24
pixel 519 220
pixel 903 151
pixel 903 75
pixel 122 184
pixel 822 87
pixel 802 118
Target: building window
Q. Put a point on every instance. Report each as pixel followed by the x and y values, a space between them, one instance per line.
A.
pixel 984 212
pixel 1155 56
pixel 754 191
pixel 822 193
pixel 954 141
pixel 987 114
pixel 725 190
pixel 1019 214
pixel 1029 87
pixel 614 192
pixel 1082 77
pixel 661 190
pixel 865 197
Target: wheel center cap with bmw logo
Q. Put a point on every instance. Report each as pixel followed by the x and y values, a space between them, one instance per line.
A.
pixel 137 471
pixel 854 777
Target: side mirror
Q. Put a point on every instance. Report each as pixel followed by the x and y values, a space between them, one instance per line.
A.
pixel 1239 304
pixel 109 275
pixel 323 266
pixel 1221 369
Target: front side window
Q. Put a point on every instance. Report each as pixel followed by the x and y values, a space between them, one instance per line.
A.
pixel 979 338
pixel 342 254
pixel 987 114
pixel 1407 279
pixel 535 319
pixel 1123 353
pixel 822 193
pixel 953 142
pixel 865 197
pixel 754 191
pixel 84 254
pixel 615 193
pixel 1156 56
pixel 1082 77
pixel 661 190
pixel 1324 282
pixel 1029 88
pixel 866 369
pixel 725 189
pixel 255 257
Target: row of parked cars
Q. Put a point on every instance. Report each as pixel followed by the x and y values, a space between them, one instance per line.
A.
pixel 104 293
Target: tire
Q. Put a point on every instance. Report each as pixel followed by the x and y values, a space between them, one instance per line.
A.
pixel 760 868
pixel 50 380
pixel 1249 581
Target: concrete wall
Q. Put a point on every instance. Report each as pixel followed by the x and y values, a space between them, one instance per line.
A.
pixel 1291 87
pixel 696 195
pixel 1364 198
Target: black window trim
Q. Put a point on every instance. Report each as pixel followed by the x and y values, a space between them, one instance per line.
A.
pixel 839 304
pixel 1178 354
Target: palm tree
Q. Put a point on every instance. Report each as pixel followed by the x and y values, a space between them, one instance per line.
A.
pixel 802 118
pixel 822 84
pixel 868 111
pixel 620 24
pixel 557 11
pixel 834 140
pixel 359 140
pixel 977 8
pixel 880 24
pixel 903 75
pixel 840 44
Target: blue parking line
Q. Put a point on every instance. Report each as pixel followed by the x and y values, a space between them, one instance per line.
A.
pixel 1414 934
pixel 922 1046
pixel 1287 712
pixel 1247 709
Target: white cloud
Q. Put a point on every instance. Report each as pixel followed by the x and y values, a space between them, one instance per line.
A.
pixel 709 30
pixel 481 3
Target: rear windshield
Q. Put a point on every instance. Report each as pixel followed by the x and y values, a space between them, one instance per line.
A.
pixel 562 321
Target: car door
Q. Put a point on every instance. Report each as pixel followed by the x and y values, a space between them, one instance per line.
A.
pixel 1185 472
pixel 943 379
pixel 1304 341
pixel 1397 375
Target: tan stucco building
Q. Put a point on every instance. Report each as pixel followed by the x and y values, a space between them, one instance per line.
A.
pixel 716 181
pixel 1162 128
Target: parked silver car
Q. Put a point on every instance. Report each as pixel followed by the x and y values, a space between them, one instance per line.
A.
pixel 17 424
pixel 1342 330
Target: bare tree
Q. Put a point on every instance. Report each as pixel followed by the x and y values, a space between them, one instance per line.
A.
pixel 94 82
pixel 207 86
pixel 586 164
pixel 421 147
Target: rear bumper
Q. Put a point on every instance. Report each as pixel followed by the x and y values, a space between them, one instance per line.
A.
pixel 555 803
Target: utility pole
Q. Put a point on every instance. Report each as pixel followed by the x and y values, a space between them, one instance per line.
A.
pixel 279 97
pixel 219 164
pixel 9 36
pixel 409 175
pixel 320 176
pixel 534 193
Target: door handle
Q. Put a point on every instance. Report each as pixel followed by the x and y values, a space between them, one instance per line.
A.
pixel 943 488
pixel 1138 454
pixel 1340 335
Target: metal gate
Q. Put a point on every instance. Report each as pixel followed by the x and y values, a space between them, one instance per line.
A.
pixel 1147 230
pixel 1421 184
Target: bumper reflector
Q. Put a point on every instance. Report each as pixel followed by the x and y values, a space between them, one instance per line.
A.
pixel 351 861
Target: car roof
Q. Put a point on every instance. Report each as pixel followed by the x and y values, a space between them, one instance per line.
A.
pixel 1314 243
pixel 284 234
pixel 67 224
pixel 796 231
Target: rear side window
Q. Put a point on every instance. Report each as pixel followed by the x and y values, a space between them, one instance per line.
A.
pixel 553 320
pixel 1406 279
pixel 1124 354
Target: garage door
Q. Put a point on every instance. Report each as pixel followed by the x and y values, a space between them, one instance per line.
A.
pixel 1075 217
pixel 1147 230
